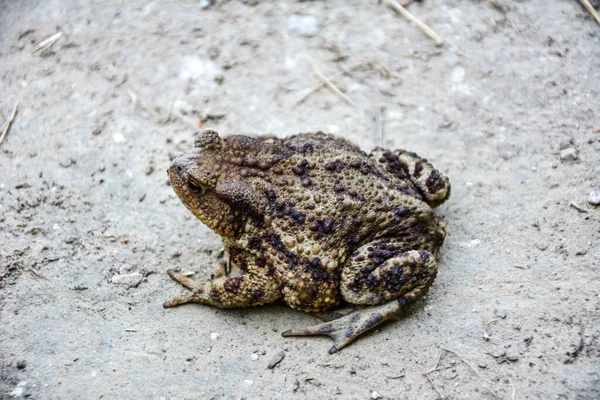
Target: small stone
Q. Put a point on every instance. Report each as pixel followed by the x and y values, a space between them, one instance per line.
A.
pixel 568 154
pixel 254 357
pixel 581 253
pixel 594 197
pixel 276 360
pixel 129 280
pixel 303 25
pixel 458 75
pixel 214 335
pixel 204 4
pixel 502 314
pixel 193 67
pixel 21 364
pixel 482 365
pixel 542 245
pixel 374 395
pixel 119 138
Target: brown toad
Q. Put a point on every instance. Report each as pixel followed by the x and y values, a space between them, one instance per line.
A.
pixel 316 222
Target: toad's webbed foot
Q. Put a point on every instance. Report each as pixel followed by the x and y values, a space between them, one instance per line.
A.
pixel 345 329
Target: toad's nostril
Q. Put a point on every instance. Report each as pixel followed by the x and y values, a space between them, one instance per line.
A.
pixel 179 168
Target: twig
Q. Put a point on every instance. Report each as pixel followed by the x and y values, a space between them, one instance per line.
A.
pixel 433 386
pixel 514 392
pixel 484 325
pixel 46 43
pixel 427 30
pixel 314 89
pixel 578 207
pixel 435 368
pixel 591 10
pixel 331 86
pixel 473 369
pixel 6 125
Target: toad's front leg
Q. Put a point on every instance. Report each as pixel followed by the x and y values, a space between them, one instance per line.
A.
pixel 390 287
pixel 256 286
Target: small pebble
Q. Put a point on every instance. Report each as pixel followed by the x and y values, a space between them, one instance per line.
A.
pixel 21 364
pixel 458 75
pixel 482 365
pixel 118 137
pixel 374 395
pixel 581 253
pixel 214 335
pixel 502 314
pixel 276 360
pixel 303 25
pixel 542 245
pixel 568 154
pixel 254 356
pixel 594 197
pixel 130 280
pixel 204 4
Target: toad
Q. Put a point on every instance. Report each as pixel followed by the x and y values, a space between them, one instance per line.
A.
pixel 316 222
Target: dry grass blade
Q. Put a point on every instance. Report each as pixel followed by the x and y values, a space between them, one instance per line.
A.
pixel 591 9
pixel 433 369
pixel 46 43
pixel 331 86
pixel 314 89
pixel 426 29
pixel 6 125
pixel 473 369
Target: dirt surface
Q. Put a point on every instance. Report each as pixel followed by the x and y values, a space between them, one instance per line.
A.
pixel 509 111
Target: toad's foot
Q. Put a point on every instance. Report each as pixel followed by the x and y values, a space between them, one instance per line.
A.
pixel 345 329
pixel 253 288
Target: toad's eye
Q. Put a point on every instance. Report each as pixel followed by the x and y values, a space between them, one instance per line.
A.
pixel 196 188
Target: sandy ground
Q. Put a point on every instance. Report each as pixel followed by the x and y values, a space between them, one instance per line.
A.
pixel 89 225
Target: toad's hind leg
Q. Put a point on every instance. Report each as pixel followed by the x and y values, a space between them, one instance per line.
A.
pixel 390 287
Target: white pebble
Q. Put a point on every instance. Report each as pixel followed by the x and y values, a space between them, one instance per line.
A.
pixel 118 137
pixel 374 395
pixel 193 67
pixel 458 75
pixel 214 335
pixel 303 25
pixel 594 197
pixel 130 280
pixel 254 356
pixel 568 154
pixel 248 382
